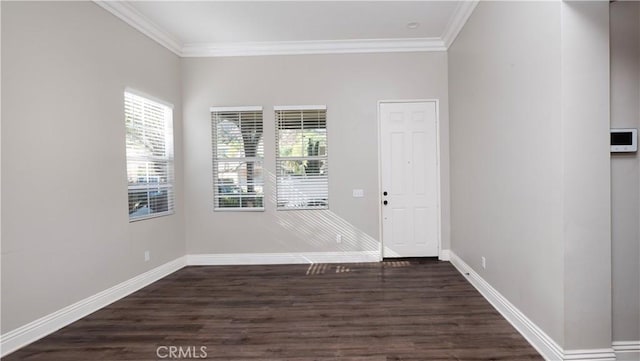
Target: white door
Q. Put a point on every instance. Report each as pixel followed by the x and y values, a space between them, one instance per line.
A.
pixel 409 161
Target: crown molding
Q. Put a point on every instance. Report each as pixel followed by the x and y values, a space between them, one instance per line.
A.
pixel 460 16
pixel 130 15
pixel 133 17
pixel 312 47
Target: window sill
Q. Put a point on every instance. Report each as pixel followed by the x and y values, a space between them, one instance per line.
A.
pixel 151 216
pixel 239 209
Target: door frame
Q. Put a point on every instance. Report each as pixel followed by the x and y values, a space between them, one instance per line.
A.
pixel 438 162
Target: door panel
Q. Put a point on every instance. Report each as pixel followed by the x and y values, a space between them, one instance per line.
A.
pixel 397 168
pixel 410 220
pixel 421 228
pixel 419 168
pixel 399 217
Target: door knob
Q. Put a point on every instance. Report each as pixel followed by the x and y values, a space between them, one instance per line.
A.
pixel 384 193
pixel 385 203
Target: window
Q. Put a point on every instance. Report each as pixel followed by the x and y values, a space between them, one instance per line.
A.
pixel 302 178
pixel 238 152
pixel 149 126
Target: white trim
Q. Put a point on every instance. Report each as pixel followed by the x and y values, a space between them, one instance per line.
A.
pixel 301 208
pixel 152 215
pixel 438 165
pixel 299 107
pixel 406 101
pixel 52 322
pixel 246 209
pixel 457 21
pixel 148 97
pixel 33 331
pixel 130 15
pixel 600 354
pixel 312 47
pixel 627 350
pixel 379 134
pixel 438 178
pixel 542 342
pixel 281 258
pixel 251 108
pixel 444 255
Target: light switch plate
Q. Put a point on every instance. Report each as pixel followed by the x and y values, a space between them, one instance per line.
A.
pixel 358 193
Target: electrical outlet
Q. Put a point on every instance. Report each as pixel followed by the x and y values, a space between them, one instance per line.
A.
pixel 147 256
pixel 338 238
pixel 358 193
pixel 484 263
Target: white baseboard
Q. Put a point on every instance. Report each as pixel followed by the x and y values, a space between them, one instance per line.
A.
pixel 596 354
pixel 544 344
pixel 281 258
pixel 444 255
pixel 50 323
pixel 627 350
pixel 24 335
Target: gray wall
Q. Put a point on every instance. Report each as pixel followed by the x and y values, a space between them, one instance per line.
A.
pixel 350 86
pixel 529 114
pixel 65 228
pixel 0 155
pixel 518 179
pixel 586 172
pixel 625 171
pixel 506 168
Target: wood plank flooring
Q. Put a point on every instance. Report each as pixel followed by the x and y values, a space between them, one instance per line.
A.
pixel 395 310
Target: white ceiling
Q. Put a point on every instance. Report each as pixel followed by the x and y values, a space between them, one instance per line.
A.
pixel 223 28
pixel 228 22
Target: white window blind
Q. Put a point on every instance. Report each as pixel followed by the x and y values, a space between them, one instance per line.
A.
pixel 238 152
pixel 150 174
pixel 302 175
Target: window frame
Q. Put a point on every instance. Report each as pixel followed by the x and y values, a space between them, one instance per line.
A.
pixel 215 159
pixel 168 159
pixel 325 157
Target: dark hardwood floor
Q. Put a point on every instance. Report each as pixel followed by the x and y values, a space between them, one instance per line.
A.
pixel 395 310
